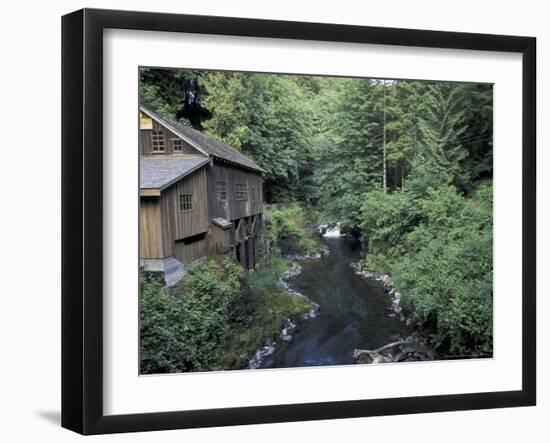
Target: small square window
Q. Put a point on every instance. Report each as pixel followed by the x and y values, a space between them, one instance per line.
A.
pixel 221 191
pixel 241 192
pixel 157 141
pixel 177 144
pixel 186 202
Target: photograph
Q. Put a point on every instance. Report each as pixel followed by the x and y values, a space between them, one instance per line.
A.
pixel 303 220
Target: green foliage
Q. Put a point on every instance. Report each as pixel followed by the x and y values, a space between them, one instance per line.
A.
pixel 290 229
pixel 265 282
pixel 322 142
pixel 266 278
pixel 174 93
pixel 448 283
pixel 438 248
pixel 271 309
pixel 442 129
pixel 268 118
pixel 187 332
pixel 217 319
pixel 320 139
pixel 261 312
pixel 227 95
pixel 386 219
pixel 279 136
pixel 350 156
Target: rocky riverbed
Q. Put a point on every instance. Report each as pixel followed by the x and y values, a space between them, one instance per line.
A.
pixel 290 325
pixel 414 347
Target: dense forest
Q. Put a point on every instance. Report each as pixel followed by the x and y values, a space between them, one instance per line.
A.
pixel 404 165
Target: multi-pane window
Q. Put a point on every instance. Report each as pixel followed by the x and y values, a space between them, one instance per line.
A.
pixel 186 202
pixel 221 191
pixel 157 141
pixel 241 192
pixel 177 144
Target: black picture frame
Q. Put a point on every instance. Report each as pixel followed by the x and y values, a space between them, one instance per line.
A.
pixel 82 215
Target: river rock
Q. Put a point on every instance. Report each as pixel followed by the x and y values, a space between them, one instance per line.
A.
pixel 312 313
pixel 294 270
pixel 378 358
pixel 400 356
pixel 286 337
pixel 323 251
pixel 364 359
pixel 286 332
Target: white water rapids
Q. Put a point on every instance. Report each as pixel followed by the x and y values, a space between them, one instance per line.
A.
pixel 333 232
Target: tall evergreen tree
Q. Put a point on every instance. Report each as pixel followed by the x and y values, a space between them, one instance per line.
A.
pixel 406 107
pixel 279 136
pixel 351 161
pixel 477 104
pixel 442 127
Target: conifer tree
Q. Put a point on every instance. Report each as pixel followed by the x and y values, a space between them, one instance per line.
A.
pixel 442 127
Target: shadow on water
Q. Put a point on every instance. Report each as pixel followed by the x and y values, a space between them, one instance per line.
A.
pixel 355 312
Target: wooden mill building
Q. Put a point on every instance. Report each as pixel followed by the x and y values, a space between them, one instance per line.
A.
pixel 198 197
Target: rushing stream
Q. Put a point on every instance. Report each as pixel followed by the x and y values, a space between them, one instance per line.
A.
pixel 355 312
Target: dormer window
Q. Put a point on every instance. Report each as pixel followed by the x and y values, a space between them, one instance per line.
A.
pixel 177 144
pixel 157 141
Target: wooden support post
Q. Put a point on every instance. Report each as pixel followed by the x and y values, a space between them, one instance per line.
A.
pixel 242 254
pixel 256 250
pixel 251 261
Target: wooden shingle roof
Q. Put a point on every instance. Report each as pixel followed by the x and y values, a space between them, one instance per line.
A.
pixel 161 172
pixel 204 143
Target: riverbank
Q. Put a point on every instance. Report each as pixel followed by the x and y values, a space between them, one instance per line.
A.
pixel 289 325
pixel 354 312
pixel 290 238
pixel 415 347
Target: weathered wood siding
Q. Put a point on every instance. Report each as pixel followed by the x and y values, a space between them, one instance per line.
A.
pixel 181 224
pixel 145 144
pixel 231 208
pixel 219 240
pixel 166 229
pixel 189 252
pixel 150 235
pixel 162 223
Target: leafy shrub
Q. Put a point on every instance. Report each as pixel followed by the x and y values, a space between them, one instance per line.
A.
pixel 387 218
pixel 187 332
pixel 437 245
pixel 218 318
pixel 449 285
pixel 291 230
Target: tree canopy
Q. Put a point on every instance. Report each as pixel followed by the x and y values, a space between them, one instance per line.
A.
pixel 406 163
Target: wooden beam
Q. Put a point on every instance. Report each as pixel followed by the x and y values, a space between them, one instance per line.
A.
pixel 238 237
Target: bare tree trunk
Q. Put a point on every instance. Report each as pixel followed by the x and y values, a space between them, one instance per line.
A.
pixel 358 352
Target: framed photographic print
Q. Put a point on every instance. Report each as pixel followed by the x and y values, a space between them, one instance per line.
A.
pixel 269 221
